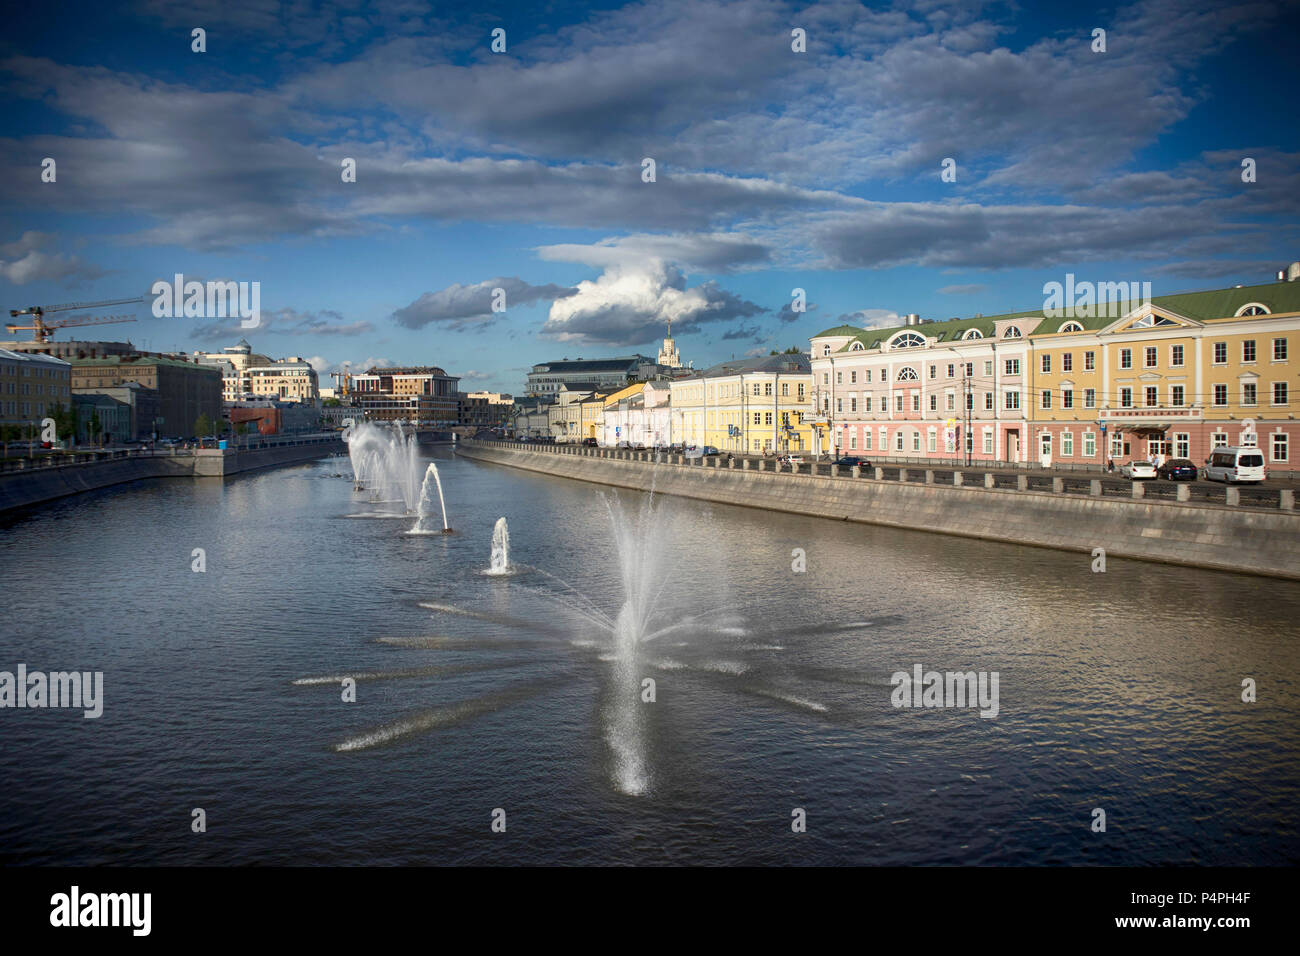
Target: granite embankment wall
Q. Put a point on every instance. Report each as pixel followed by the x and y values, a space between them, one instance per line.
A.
pixel 1229 538
pixel 36 485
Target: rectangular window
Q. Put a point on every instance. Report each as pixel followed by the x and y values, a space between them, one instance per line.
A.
pixel 988 442
pixel 1067 398
pixel 1152 396
pixel 931 442
pixel 853 404
pixel 1067 362
pixel 853 440
pixel 1176 394
pixel 898 440
pixel 839 378
pixel 1046 399
pixel 1012 366
pixel 1047 363
pixel 801 393
pixel 970 401
pixel 767 418
pixel 932 371
pixel 950 401
pixel 866 401
pixel 767 389
pixel 1248 350
pixel 988 368
pixel 898 402
pixel 934 402
pixel 1220 395
pixel 916 401
pixel 1182 445
pixel 826 380
pixel 916 441
pixel 1125 358
pixel 1012 400
pixel 952 371
pixel 1176 356
pixel 866 439
pixel 1126 398
pixel 1248 393
pixel 785 386
pixel 1279 350
pixel 1116 446
pixel 1220 353
pixel 1067 445
pixel 1279 393
pixel 1089 445
pixel 1280 449
pixel 1150 356
pixel 1219 440
pixel 839 404
pixel 758 418
pixel 1089 361
pixel 988 401
pixel 868 376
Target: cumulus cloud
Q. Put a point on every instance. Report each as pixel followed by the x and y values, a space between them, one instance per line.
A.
pixel 26 260
pixel 461 306
pixel 630 304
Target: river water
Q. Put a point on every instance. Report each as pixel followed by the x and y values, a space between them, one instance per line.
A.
pixel 223 689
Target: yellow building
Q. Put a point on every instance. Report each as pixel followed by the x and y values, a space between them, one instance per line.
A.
pixel 1175 377
pixel 751 405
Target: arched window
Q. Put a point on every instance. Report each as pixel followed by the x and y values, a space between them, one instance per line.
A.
pixel 907 374
pixel 1071 327
pixel 826 350
pixel 1253 308
pixel 907 340
pixel 973 334
pixel 1011 333
pixel 857 347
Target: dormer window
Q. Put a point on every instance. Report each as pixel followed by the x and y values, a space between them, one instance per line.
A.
pixel 826 350
pixel 1253 308
pixel 973 334
pixel 1072 327
pixel 857 347
pixel 1011 333
pixel 907 340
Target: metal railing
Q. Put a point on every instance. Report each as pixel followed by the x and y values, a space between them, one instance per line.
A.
pixel 1065 484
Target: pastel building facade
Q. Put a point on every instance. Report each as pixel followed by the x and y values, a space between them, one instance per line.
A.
pixel 754 406
pixel 1175 377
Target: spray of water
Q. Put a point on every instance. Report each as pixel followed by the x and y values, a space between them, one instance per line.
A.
pixel 386 464
pixel 432 481
pixel 500 560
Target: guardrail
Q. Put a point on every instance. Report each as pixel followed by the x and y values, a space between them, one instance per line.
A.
pixel 1249 496
pixel 77 459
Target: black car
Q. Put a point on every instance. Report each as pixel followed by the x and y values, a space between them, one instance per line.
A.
pixel 851 461
pixel 589 442
pixel 1178 469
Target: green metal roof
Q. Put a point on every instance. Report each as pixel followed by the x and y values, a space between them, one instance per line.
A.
pixel 1201 306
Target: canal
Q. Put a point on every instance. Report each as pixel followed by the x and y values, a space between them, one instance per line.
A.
pixel 666 683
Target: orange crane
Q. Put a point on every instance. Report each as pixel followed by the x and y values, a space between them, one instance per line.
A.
pixel 42 330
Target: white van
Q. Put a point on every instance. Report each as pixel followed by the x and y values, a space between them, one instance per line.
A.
pixel 1235 464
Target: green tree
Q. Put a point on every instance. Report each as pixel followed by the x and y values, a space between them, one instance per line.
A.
pixel 203 426
pixel 331 403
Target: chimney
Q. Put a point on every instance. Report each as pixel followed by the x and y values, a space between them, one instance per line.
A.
pixel 913 318
pixel 1293 272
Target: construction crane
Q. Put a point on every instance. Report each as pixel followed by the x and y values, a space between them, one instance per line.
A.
pixel 342 382
pixel 42 330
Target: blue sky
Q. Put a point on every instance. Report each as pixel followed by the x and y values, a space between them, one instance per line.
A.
pixel 522 170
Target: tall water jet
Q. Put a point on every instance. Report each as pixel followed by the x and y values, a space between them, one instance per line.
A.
pixel 500 561
pixel 640 542
pixel 426 502
pixel 386 463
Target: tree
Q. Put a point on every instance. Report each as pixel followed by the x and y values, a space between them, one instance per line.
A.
pixel 202 426
pixel 95 426
pixel 65 420
pixel 332 403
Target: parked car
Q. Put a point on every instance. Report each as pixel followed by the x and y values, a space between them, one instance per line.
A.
pixel 1234 463
pixel 791 460
pixel 1178 469
pixel 709 451
pixel 1138 469
pixel 589 442
pixel 851 461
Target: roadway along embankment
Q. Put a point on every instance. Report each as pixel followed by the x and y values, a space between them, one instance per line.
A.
pixel 1198 535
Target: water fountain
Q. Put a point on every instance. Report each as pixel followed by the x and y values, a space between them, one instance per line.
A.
pixel 422 524
pixel 500 561
pixel 386 463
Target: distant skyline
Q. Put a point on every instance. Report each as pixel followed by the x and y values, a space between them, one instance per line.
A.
pixel 523 171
